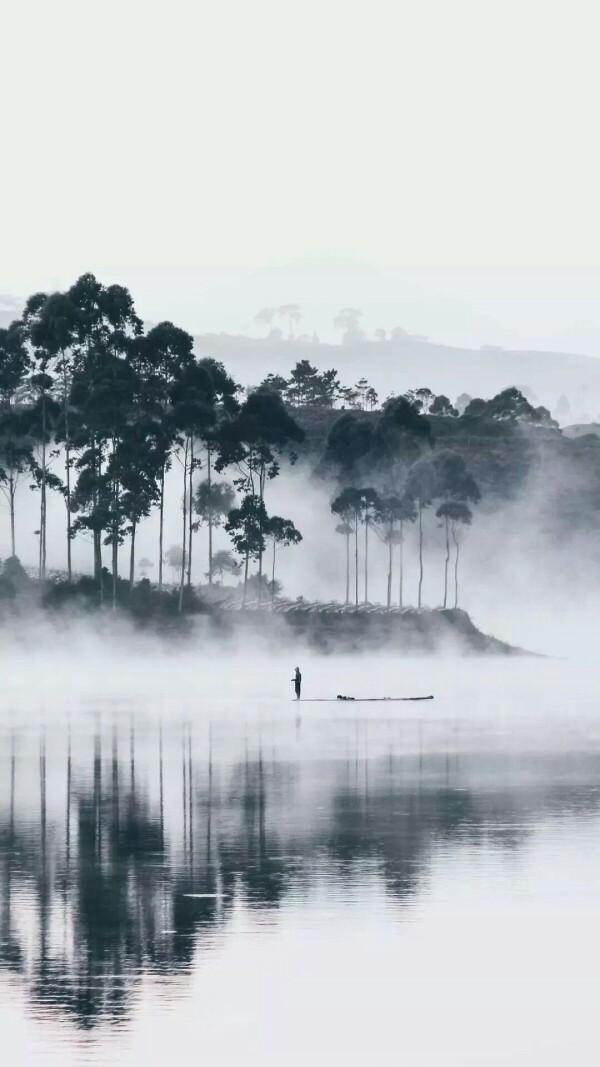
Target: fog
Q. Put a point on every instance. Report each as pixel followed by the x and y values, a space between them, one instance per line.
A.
pixel 528 573
pixel 546 308
pixel 194 865
pixel 186 851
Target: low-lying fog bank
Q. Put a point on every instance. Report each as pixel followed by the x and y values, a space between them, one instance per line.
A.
pixel 367 630
pixel 78 677
pixel 329 628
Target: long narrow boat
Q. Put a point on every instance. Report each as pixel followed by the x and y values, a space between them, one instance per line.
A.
pixel 357 700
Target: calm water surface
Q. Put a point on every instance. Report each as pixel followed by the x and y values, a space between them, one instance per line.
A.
pixel 193 872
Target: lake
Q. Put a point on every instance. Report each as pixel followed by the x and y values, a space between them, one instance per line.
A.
pixel 195 868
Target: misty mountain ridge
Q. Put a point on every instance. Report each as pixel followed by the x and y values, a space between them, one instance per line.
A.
pixel 396 365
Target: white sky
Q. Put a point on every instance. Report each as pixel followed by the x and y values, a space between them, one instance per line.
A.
pixel 236 136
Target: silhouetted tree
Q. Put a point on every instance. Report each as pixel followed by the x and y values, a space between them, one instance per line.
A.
pixel 102 393
pixel 443 407
pixel 224 397
pixel 16 454
pixel 251 444
pixel 345 529
pixel 347 320
pixel 307 387
pixel 391 514
pixel 362 387
pixel 193 412
pixel 350 440
pixel 421 485
pixel 212 503
pixel 356 506
pixel 265 316
pixel 350 397
pixel 292 313
pixel 169 352
pixel 140 451
pixel 422 399
pixel 173 559
pixel 246 527
pixel 455 513
pixel 223 563
pixel 510 404
pixel 399 437
pixel 275 383
pixel 281 532
pixel 55 329
pixel 41 383
pixel 347 505
pixel 454 483
pixel 370 503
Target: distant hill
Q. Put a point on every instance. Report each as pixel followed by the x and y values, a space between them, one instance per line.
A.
pixel 406 362
pixel 582 429
pixel 402 364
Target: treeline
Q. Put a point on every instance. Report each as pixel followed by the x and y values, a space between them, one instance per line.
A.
pixel 80 379
pixel 392 475
pixel 406 479
pixel 347 321
pixel 97 409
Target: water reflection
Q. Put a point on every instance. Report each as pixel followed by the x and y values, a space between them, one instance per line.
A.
pixel 125 853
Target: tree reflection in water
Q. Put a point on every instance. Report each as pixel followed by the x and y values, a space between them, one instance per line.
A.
pixel 132 865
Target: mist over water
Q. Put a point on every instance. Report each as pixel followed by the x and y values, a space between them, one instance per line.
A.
pixel 193 863
pixel 207 342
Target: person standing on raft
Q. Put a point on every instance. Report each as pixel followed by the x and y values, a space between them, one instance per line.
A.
pixel 297 680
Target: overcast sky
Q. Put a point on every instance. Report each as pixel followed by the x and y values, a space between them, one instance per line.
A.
pixel 219 156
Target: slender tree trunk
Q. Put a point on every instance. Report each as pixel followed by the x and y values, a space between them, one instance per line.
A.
pixel 115 569
pixel 356 562
pixel 456 542
pixel 183 539
pixel 98 533
pixel 447 561
pixel 347 568
pixel 366 559
pixel 260 551
pixel 11 499
pixel 69 533
pixel 161 528
pixel 390 565
pixel 210 519
pixel 132 557
pixel 273 576
pixel 420 554
pixel 42 568
pixel 97 554
pixel 115 540
pixel 97 558
pixel 101 569
pixel 245 580
pixel 67 467
pixel 401 568
pixel 190 512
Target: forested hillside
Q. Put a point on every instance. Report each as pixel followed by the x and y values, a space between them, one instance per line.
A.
pixel 400 362
pixel 96 411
